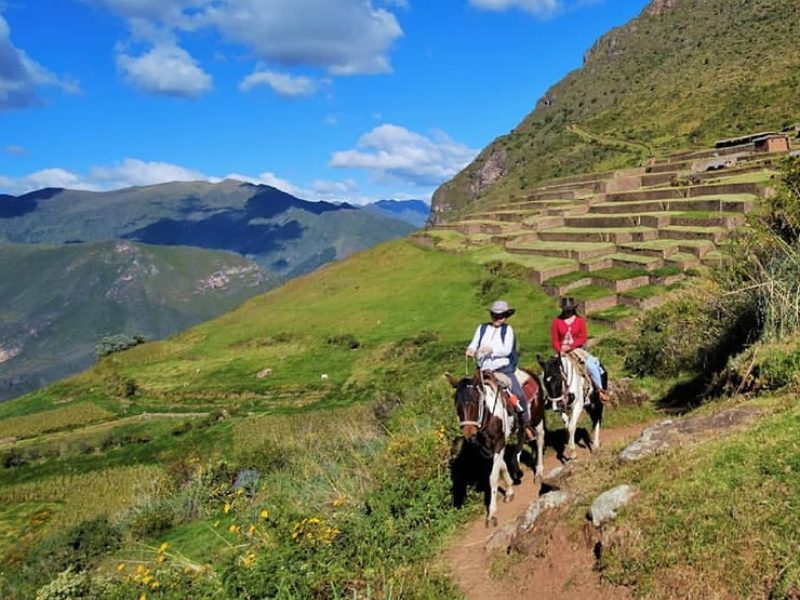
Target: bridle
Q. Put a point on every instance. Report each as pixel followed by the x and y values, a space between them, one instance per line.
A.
pixel 481 408
pixel 564 384
pixel 479 423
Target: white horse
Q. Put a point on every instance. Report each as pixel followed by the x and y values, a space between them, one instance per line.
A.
pixel 565 386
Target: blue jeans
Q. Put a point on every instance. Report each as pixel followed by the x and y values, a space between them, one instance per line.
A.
pixel 593 368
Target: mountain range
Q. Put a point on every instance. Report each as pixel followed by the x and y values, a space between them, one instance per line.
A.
pixel 280 232
pixel 415 212
pixel 80 266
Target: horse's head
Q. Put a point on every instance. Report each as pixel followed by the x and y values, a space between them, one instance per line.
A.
pixel 468 403
pixel 553 379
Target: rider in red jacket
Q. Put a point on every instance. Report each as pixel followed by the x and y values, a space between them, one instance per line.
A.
pixel 569 333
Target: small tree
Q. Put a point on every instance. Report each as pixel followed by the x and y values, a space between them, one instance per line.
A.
pixel 117 343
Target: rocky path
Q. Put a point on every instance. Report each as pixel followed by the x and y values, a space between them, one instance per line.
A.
pixel 559 562
pixel 564 570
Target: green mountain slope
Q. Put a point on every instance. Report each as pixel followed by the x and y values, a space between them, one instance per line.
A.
pixel 282 233
pixel 58 302
pixel 341 438
pixel 681 75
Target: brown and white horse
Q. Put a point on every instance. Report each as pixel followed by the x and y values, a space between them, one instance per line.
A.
pixel 486 421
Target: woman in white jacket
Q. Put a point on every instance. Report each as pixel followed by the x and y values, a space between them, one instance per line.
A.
pixel 494 347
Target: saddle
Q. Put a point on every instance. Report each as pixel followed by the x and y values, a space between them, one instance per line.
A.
pixel 529 388
pixel 578 358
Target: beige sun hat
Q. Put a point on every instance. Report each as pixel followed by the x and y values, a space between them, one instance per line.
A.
pixel 501 307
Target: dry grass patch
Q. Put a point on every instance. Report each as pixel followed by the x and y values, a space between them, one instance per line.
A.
pixel 82 413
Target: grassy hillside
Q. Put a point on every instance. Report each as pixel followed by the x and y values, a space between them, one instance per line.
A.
pixel 287 485
pixel 681 75
pixel 59 302
pixel 280 232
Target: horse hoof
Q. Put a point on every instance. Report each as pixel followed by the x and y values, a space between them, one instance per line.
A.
pixel 538 478
pixel 509 498
pixel 491 522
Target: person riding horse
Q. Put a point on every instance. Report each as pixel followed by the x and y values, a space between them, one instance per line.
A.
pixel 494 348
pixel 568 335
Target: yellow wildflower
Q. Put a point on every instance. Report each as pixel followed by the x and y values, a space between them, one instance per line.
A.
pixel 163 547
pixel 120 567
pixel 143 596
pixel 155 585
pixel 227 508
pixel 251 529
pixel 264 514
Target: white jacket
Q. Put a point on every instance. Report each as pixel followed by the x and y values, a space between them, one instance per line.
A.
pixel 498 358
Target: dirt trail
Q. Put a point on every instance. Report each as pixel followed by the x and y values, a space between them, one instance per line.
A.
pixel 567 569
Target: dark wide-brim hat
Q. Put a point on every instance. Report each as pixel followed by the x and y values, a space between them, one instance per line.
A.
pixel 501 307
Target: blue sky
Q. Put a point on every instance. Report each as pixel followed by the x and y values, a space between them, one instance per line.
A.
pixel 352 100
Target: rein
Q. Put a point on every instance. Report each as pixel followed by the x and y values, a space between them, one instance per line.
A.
pixel 479 423
pixel 481 410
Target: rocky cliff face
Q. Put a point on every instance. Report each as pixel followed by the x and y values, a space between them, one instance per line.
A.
pixel 659 7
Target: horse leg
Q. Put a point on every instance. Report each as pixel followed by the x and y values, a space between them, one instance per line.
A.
pixel 540 434
pixel 494 481
pixel 597 417
pixel 508 480
pixel 577 407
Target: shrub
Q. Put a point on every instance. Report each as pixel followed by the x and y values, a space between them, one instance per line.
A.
pixel 183 428
pixel 75 550
pixel 764 268
pixel 345 340
pixel 117 343
pixel 66 586
pixel 692 333
pixel 151 520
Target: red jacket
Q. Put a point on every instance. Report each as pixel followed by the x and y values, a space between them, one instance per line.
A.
pixel 576 331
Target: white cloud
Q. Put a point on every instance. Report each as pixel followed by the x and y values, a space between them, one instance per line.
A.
pixel 539 8
pixel 343 36
pixel 127 173
pixel 166 69
pixel 395 153
pixel 21 77
pixel 57 178
pixel 281 83
pixel 132 171
pixel 15 150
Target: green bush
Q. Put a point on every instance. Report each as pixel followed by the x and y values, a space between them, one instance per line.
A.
pixel 117 343
pixel 778 367
pixel 695 332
